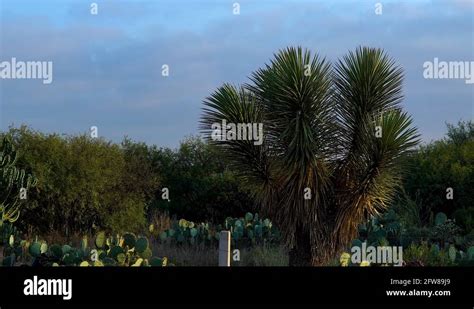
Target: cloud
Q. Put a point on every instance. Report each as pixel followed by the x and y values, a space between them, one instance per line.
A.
pixel 108 69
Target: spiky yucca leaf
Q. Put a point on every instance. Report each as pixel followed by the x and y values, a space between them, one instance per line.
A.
pixel 237 106
pixel 12 181
pixel 373 184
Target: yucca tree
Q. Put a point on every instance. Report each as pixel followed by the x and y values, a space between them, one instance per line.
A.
pixel 12 180
pixel 334 137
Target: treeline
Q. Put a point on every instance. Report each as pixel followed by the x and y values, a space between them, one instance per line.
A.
pixel 441 179
pixel 86 183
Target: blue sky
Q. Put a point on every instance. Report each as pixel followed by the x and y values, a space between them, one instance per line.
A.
pixel 107 67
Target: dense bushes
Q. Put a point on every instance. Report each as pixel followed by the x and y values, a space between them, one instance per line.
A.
pixel 201 185
pixel 447 163
pixel 86 183
pixel 82 183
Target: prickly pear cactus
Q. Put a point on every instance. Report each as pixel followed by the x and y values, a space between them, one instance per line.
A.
pixel 452 253
pixel 100 240
pixel 246 231
pixel 141 244
pixel 35 249
pixel 129 239
pixel 126 250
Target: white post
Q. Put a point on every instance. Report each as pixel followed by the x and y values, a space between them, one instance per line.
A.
pixel 224 248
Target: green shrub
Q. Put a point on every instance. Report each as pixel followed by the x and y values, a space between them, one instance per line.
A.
pixel 445 232
pixel 426 255
pixel 83 182
pixel 442 164
pixel 465 218
pixel 203 187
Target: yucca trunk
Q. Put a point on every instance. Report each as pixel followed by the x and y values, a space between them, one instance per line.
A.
pixel 312 253
pixel 301 254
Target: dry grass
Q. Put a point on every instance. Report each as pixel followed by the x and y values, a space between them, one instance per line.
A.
pixel 161 222
pixel 199 255
pixel 59 238
pixel 185 255
pixel 263 256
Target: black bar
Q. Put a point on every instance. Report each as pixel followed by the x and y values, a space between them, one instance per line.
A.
pixel 239 285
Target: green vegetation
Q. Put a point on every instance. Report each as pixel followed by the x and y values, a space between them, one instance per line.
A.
pixel 246 231
pixel 89 198
pixel 82 183
pixel 437 244
pixel 85 184
pixel 203 187
pixel 447 163
pixel 320 133
pixel 428 237
pixel 125 250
